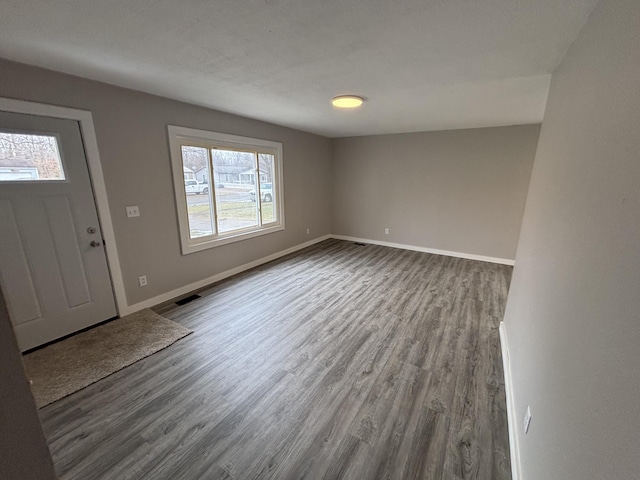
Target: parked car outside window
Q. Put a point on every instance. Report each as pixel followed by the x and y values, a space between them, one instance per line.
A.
pixel 192 186
pixel 266 193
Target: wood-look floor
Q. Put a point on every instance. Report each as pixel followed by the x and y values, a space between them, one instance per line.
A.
pixel 339 361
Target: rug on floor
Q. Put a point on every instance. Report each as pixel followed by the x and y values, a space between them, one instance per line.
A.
pixel 62 368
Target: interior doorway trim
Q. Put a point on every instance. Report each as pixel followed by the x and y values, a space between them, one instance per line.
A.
pixel 85 119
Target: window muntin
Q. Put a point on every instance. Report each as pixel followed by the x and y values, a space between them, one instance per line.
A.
pixel 29 157
pixel 216 180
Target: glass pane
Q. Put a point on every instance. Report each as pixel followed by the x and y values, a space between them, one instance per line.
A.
pixel 195 165
pixel 267 187
pixel 236 206
pixel 29 157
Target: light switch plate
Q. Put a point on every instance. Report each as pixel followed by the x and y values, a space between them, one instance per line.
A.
pixel 133 211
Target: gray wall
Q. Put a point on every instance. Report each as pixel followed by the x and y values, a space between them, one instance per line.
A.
pixel 573 315
pixel 131 129
pixel 458 190
pixel 23 451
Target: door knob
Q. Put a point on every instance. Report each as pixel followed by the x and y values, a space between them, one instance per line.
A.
pixel 95 244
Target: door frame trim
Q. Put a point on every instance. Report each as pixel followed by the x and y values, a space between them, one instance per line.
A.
pixel 87 129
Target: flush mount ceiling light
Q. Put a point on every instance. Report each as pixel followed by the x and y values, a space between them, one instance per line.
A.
pixel 347 101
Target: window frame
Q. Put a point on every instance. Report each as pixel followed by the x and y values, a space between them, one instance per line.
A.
pixel 179 136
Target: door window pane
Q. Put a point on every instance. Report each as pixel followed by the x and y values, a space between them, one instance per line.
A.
pixel 236 206
pixel 195 167
pixel 27 157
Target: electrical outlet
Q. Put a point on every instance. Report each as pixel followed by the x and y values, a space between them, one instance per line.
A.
pixel 386 231
pixel 142 280
pixel 133 211
pixel 307 231
pixel 527 420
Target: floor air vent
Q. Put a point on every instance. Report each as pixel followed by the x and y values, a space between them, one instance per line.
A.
pixel 188 299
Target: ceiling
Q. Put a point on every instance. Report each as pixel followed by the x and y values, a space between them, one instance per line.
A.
pixel 421 64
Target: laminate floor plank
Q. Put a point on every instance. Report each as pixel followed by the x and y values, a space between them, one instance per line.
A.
pixel 339 361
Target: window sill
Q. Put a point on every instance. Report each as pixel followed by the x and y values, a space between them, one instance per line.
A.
pixel 195 245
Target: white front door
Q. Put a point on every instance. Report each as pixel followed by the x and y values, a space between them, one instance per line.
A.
pixel 53 268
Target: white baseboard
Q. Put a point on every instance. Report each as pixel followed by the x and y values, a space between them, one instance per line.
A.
pixel 514 447
pixel 468 256
pixel 151 302
pixel 165 297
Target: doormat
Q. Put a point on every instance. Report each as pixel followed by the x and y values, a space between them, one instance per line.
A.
pixel 62 368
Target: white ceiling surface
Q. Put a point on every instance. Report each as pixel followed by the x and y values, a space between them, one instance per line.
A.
pixel 421 64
